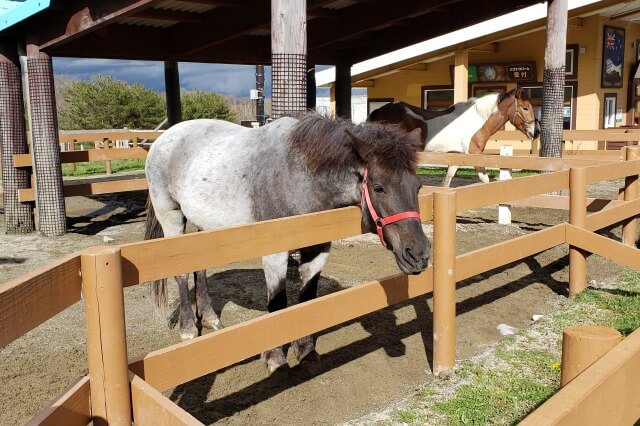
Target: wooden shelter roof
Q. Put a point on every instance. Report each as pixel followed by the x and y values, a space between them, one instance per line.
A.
pixel 238 31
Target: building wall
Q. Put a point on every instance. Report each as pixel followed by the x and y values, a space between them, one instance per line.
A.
pixel 406 85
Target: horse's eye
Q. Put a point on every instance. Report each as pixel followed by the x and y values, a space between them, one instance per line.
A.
pixel 377 187
pixel 525 108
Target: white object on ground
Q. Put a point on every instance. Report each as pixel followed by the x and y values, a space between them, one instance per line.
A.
pixel 505 329
pixel 536 317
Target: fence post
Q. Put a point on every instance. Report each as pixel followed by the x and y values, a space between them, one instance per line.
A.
pixel 584 345
pixel 629 227
pixel 444 281
pixel 577 217
pixel 504 210
pixel 106 336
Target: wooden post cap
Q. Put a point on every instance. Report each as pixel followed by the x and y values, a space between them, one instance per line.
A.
pixel 582 346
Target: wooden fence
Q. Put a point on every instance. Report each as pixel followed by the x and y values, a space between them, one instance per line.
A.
pixel 104 144
pixel 105 141
pixel 117 388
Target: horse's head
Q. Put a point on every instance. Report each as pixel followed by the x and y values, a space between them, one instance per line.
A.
pixel 522 115
pixel 390 192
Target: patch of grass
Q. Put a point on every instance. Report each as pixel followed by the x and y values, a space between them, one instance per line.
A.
pixel 99 167
pixel 493 394
pixel 469 173
pixel 521 371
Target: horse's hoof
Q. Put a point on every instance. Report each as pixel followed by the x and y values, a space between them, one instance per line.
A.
pixel 275 360
pixel 188 333
pixel 311 363
pixel 279 371
pixel 212 323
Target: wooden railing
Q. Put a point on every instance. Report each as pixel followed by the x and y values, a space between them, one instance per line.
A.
pixel 106 271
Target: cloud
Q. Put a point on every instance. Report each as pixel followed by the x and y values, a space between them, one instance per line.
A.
pixel 234 80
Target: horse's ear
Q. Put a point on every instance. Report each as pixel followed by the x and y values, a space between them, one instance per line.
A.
pixel 360 146
pixel 415 137
pixel 519 93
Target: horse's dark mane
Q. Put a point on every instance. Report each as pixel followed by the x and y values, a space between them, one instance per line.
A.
pixel 325 145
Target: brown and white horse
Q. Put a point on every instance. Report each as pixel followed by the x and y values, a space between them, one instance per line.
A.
pixel 466 126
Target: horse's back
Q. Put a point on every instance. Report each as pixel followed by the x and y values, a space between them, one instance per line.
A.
pixel 206 167
pixel 452 132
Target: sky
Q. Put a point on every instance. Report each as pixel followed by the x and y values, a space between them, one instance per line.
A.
pixel 235 80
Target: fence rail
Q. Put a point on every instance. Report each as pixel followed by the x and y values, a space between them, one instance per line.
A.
pixel 166 257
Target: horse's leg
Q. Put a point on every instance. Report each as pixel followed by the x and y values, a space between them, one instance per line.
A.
pixel 204 310
pixel 451 172
pixel 173 223
pixel 482 174
pixel 187 319
pixel 312 260
pixel 275 273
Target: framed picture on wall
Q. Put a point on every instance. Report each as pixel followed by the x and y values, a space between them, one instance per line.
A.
pixel 612 57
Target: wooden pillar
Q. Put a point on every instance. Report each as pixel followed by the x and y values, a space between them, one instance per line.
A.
pixel 577 217
pixel 343 90
pixel 172 90
pixel 584 345
pixel 45 143
pixel 553 80
pixel 444 281
pixel 106 335
pixel 18 217
pixel 311 88
pixel 630 226
pixel 288 57
pixel 461 76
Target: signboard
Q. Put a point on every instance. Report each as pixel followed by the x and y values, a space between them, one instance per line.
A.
pixel 491 72
pixel 521 72
pixel 473 73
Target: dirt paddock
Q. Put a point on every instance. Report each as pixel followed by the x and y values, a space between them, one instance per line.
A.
pixel 368 364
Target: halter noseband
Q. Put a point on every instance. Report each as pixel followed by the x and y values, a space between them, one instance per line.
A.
pixel 382 221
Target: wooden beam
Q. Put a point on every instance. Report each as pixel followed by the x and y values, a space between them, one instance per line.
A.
pixel 83 17
pixel 613 215
pixel 487 258
pixel 487 194
pixel 30 300
pixel 72 407
pixel 604 247
pixel 217 350
pixel 168 15
pixel 95 188
pixel 151 407
pixel 358 20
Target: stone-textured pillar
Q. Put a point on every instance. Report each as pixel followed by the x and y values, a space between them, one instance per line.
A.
pixel 343 90
pixel 13 137
pixel 172 90
pixel 553 79
pixel 45 143
pixel 288 57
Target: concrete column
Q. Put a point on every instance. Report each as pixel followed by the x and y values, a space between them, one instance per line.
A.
pixel 13 136
pixel 45 143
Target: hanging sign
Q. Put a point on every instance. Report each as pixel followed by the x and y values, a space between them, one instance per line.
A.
pixel 525 71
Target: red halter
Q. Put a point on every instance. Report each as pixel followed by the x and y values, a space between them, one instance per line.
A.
pixel 382 221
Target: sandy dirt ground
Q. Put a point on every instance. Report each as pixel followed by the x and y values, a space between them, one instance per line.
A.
pixel 368 364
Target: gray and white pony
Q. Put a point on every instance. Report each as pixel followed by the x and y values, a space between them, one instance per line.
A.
pixel 465 126
pixel 214 174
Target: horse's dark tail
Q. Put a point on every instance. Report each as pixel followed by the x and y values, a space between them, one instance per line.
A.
pixel 152 230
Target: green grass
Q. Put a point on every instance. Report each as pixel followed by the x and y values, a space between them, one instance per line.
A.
pixel 99 167
pixel 469 173
pixel 504 385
